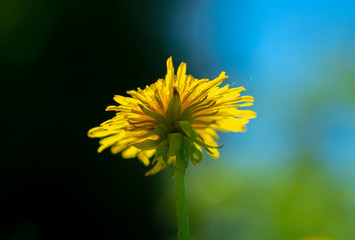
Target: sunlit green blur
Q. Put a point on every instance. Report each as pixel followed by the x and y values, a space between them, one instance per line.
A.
pixel 300 200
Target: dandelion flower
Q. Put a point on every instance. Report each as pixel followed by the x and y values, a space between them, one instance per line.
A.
pixel 177 112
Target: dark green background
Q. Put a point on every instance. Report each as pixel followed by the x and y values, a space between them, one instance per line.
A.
pixel 61 63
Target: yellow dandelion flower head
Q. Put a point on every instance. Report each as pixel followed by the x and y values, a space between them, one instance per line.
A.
pixel 173 113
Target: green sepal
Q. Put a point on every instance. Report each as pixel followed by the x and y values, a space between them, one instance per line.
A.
pixel 204 122
pixel 203 144
pixel 166 160
pixel 148 144
pixel 186 163
pixel 196 155
pixel 153 115
pixel 193 136
pixel 199 140
pixel 185 127
pixel 162 130
pixel 174 143
pixel 186 146
pixel 162 149
pixel 174 107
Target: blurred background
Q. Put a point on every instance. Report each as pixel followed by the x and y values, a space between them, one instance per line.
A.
pixel 290 176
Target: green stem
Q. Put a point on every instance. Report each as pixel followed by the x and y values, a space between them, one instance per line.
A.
pixel 181 207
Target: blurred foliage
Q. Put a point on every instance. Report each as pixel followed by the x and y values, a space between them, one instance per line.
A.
pixel 300 202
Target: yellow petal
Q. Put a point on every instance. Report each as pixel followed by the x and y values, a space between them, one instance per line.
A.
pixel 169 79
pixel 144 156
pixel 210 141
pixel 137 95
pixel 118 148
pixel 109 141
pixel 217 81
pixel 244 113
pixel 214 152
pixel 124 100
pixel 181 75
pixel 98 132
pixel 244 104
pixel 212 132
pixel 130 152
pixel 160 164
pixel 231 124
